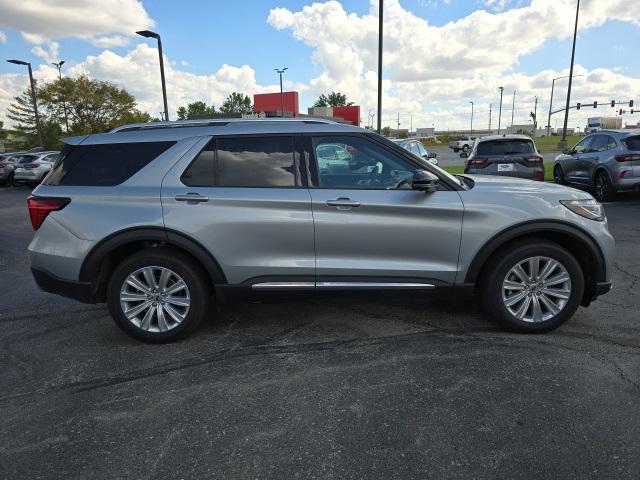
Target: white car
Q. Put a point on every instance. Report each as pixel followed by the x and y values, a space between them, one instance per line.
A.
pixel 31 168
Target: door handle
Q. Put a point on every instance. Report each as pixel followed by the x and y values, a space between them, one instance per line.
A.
pixel 191 197
pixel 343 203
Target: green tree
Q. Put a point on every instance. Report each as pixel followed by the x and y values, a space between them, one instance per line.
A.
pixel 21 112
pixel 386 131
pixel 334 99
pixel 93 106
pixel 195 109
pixel 237 103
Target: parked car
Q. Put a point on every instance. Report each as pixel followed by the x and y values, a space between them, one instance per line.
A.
pixel 7 166
pixel 198 211
pixel 505 155
pixel 417 148
pixel 608 161
pixel 31 168
pixel 462 144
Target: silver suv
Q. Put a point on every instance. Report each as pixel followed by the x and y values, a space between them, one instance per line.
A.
pixel 608 160
pixel 161 219
pixel 507 155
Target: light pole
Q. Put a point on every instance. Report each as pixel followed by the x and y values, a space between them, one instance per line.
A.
pixel 563 143
pixel 513 108
pixel 58 65
pixel 33 97
pixel 500 111
pixel 551 100
pixel 150 34
pixel 471 129
pixel 490 107
pixel 280 72
pixel 380 12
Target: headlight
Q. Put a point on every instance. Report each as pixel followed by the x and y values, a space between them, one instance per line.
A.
pixel 590 208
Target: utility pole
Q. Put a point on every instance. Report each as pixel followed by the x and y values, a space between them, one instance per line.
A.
pixel 471 129
pixel 563 143
pixel 380 12
pixel 410 123
pixel 535 116
pixel 280 72
pixel 513 107
pixel 398 123
pixel 490 105
pixel 500 111
pixel 58 65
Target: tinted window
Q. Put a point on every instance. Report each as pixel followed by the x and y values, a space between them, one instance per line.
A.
pixel 632 143
pixel 28 158
pixel 505 147
pixel 103 165
pixel 246 162
pixel 612 143
pixel 360 164
pixel 599 143
pixel 583 145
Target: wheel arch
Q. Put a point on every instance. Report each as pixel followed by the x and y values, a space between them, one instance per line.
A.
pixel 573 238
pixel 109 252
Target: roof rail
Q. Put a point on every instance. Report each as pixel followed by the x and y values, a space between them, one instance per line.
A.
pixel 212 122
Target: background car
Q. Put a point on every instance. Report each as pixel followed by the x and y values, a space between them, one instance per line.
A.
pixel 462 144
pixel 417 148
pixel 608 161
pixel 32 168
pixel 7 166
pixel 506 155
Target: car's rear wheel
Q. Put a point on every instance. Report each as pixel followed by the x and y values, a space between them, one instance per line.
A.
pixel 604 189
pixel 158 295
pixel 532 287
pixel 558 175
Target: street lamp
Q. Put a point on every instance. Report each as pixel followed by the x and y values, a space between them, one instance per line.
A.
pixel 563 142
pixel 33 97
pixel 551 100
pixel 513 109
pixel 150 34
pixel 58 65
pixel 500 111
pixel 471 134
pixel 280 72
pixel 380 12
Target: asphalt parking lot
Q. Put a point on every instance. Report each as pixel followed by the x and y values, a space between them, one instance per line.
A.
pixel 351 387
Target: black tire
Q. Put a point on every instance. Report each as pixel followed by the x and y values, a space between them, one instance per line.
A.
pixel 558 175
pixel 456 150
pixel 604 191
pixel 465 149
pixel 191 273
pixel 495 273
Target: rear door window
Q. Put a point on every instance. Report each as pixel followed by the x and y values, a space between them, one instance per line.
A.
pixel 632 143
pixel 505 147
pixel 106 164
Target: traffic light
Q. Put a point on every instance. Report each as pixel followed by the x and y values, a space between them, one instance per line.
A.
pixel 595 104
pixel 578 106
pixel 613 103
pixel 630 103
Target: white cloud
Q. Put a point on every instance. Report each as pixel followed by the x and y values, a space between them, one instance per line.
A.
pixel 93 20
pixel 110 41
pixel 50 54
pixel 3 37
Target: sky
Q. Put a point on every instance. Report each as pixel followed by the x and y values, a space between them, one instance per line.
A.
pixel 439 55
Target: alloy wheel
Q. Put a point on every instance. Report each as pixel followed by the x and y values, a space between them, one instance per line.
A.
pixel 536 289
pixel 155 299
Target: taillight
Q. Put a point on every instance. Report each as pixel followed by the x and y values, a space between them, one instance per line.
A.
pixel 540 175
pixel 30 166
pixel 40 207
pixel 533 158
pixel 477 160
pixel 628 157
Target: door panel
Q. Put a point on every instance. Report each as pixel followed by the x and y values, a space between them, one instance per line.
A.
pixel 250 231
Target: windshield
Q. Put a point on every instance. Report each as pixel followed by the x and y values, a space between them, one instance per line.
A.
pixel 505 147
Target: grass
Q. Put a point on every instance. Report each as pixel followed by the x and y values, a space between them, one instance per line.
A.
pixel 548 171
pixel 550 144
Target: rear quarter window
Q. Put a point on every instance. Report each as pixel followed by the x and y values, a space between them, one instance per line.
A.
pixel 104 164
pixel 632 143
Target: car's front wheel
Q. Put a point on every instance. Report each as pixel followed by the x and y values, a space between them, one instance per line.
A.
pixel 558 175
pixel 532 287
pixel 465 149
pixel 158 295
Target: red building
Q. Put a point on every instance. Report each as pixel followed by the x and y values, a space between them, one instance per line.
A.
pixel 349 114
pixel 270 102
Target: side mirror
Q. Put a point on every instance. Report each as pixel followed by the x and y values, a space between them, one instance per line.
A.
pixel 424 181
pixel 433 154
pixel 567 151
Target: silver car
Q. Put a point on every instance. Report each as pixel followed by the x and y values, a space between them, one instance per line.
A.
pixel 31 168
pixel 7 166
pixel 607 161
pixel 160 220
pixel 418 149
pixel 505 155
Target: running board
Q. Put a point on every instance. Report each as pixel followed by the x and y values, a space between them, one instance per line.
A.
pixel 341 286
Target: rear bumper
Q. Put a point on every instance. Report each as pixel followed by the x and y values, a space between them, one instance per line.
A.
pixel 82 291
